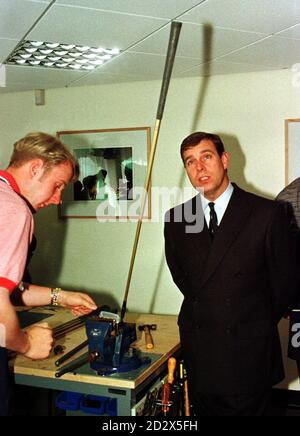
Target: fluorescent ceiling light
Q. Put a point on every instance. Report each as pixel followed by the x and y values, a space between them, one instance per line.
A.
pixel 60 56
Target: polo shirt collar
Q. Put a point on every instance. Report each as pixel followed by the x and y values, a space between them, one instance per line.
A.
pixel 9 179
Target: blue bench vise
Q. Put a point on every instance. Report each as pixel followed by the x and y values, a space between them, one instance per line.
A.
pixel 109 342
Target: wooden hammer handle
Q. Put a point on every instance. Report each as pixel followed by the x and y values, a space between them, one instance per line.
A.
pixel 171 369
pixel 165 398
pixel 186 400
pixel 148 338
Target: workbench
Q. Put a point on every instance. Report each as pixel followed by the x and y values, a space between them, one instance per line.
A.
pixel 127 388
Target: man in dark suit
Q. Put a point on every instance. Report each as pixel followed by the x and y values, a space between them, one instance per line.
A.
pixel 290 197
pixel 238 276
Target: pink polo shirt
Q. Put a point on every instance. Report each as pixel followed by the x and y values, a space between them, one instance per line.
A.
pixel 16 228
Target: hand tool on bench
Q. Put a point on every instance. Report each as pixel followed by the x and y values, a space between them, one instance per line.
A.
pixel 166 403
pixel 148 337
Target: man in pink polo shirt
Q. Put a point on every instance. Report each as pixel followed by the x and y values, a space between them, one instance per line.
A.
pixel 40 168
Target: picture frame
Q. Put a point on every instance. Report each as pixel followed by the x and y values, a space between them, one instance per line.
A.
pixel 292 150
pixel 113 166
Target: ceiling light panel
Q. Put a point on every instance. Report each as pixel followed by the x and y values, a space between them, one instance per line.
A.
pixel 60 56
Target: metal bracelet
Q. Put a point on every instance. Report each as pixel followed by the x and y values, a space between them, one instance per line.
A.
pixel 54 296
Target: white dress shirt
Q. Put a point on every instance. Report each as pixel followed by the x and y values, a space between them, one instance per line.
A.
pixel 221 204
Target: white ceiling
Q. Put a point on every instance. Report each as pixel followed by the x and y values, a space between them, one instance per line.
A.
pixel 218 37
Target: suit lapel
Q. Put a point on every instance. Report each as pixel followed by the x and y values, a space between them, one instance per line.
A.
pixel 237 212
pixel 200 244
pixel 203 241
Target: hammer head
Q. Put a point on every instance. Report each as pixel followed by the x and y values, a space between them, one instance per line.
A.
pixel 148 326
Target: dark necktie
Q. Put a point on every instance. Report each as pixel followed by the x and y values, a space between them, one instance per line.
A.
pixel 213 222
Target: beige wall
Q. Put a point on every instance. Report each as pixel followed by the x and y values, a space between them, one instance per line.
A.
pixel 248 110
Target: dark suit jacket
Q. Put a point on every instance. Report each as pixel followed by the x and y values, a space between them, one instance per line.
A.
pixel 236 289
pixel 291 195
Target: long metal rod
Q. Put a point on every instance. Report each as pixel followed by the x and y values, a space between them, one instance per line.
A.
pixel 69 326
pixel 66 328
pixel 173 42
pixel 64 332
pixel 71 353
pixel 85 358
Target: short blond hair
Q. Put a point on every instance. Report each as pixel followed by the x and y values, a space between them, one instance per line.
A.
pixel 48 148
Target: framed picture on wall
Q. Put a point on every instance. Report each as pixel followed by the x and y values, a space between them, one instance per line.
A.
pixel 292 150
pixel 113 165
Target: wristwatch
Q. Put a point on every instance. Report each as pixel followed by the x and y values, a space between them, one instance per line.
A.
pixel 22 286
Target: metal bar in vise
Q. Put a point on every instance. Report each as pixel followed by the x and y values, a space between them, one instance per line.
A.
pixel 61 331
pixel 73 365
pixel 74 324
pixel 71 353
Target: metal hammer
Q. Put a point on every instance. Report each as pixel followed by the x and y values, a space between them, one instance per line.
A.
pixel 148 337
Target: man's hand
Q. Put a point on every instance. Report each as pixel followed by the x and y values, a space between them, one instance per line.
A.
pixel 40 341
pixel 79 303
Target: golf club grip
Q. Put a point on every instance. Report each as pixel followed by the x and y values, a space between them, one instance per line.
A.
pixel 173 42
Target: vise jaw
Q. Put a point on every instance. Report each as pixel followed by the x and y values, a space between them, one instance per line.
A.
pixel 109 340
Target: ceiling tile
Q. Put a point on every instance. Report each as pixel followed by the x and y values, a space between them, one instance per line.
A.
pixel 40 77
pixel 273 51
pixel 292 32
pixel 6 46
pixel 100 78
pixel 216 67
pixel 27 11
pixel 147 66
pixel 202 42
pixel 93 28
pixel 267 16
pixel 236 36
pixel 151 8
pixel 20 87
